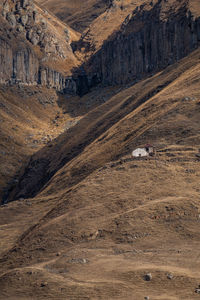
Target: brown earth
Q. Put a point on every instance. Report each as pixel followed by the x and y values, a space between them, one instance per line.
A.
pixel 104 220
pixel 84 219
pixel 78 14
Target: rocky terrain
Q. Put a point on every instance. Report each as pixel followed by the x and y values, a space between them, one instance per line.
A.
pixel 33 45
pixel 80 218
pixel 149 39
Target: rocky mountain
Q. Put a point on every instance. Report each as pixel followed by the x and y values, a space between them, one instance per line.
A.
pixel 80 217
pixel 33 46
pixel 154 36
pixel 134 47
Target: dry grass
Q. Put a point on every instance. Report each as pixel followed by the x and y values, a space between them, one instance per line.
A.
pixel 104 220
pixel 29 118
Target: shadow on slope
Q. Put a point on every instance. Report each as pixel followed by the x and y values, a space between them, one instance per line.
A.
pixel 63 150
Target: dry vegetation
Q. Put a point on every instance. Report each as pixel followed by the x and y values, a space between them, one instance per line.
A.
pixel 85 219
pixel 104 219
pixel 30 118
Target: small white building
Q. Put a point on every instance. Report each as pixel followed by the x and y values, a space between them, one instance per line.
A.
pixel 147 150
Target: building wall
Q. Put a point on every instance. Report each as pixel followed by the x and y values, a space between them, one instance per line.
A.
pixel 140 152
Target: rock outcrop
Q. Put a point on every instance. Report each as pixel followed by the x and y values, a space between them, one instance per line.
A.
pixel 150 39
pixel 21 66
pixel 28 46
pixel 24 16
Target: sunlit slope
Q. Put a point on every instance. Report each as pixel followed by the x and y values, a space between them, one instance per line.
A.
pixel 101 236
pixel 133 116
pixel 78 14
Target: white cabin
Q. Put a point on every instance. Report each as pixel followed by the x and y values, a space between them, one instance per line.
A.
pixel 142 152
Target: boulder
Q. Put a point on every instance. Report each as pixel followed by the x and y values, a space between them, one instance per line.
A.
pixel 170 276
pixel 6 6
pixel 20 28
pixel 148 277
pixel 18 6
pixel 6 9
pixel 24 3
pixel 36 16
pixel 29 34
pixel 44 24
pixel 35 38
pixel 24 19
pixel 11 19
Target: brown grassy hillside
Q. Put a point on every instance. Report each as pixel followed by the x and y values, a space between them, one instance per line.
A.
pixel 78 14
pixel 30 117
pixel 101 220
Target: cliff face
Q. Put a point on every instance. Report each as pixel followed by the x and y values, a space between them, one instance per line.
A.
pixel 153 36
pixel 17 66
pixel 150 39
pixel 21 66
pixel 32 50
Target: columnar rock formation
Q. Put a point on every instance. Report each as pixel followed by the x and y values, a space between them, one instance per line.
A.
pixel 28 44
pixel 25 17
pixel 21 66
pixel 149 40
pixel 152 37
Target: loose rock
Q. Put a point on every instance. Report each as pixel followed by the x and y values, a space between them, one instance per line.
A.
pixel 197 291
pixel 11 19
pixel 169 276
pixel 148 277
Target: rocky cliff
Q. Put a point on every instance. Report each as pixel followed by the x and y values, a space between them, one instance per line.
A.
pixel 155 35
pixel 31 50
pixel 151 38
pixel 21 66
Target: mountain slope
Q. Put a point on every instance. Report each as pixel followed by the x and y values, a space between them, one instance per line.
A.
pixel 77 14
pixel 30 117
pixel 107 211
pixel 80 217
pixel 97 123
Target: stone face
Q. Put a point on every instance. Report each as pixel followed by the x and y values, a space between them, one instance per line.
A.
pixel 18 63
pixel 36 30
pixel 17 66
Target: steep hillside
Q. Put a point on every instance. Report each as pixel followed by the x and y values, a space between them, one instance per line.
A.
pixel 80 218
pixel 93 125
pixel 78 14
pixel 100 234
pixel 30 117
